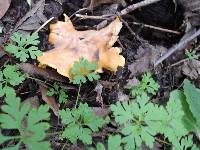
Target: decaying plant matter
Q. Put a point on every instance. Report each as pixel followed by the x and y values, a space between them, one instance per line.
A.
pixel 71 44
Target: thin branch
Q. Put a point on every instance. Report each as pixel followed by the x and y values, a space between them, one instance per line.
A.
pixel 156 28
pixel 182 61
pixel 122 12
pixel 137 5
pixel 44 24
pixel 181 45
pixel 132 32
pixel 93 17
pixel 78 11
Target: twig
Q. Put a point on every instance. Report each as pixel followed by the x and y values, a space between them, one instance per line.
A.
pixel 122 12
pixel 44 24
pixel 181 45
pixel 156 28
pixel 78 11
pixel 29 14
pixel 77 98
pixel 132 32
pixel 137 5
pixel 162 141
pixel 182 61
pixel 94 17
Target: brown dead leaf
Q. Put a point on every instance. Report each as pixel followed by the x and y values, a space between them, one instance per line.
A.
pixel 4 5
pixel 50 100
pixel 145 59
pixel 33 19
pixel 121 97
pixel 192 12
pixel 33 70
pixel 107 84
pixel 101 112
pixel 70 45
pixel 191 69
pixel 132 82
pixel 99 98
pixel 33 101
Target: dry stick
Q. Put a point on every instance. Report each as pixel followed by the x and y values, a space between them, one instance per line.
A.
pixel 93 17
pixel 44 24
pixel 78 11
pixel 135 23
pixel 156 28
pixel 132 32
pixel 181 61
pixel 137 5
pixel 181 45
pixel 122 12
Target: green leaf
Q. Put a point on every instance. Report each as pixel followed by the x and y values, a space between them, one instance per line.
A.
pixel 188 119
pixel 4 138
pixel 80 123
pixel 114 142
pixel 83 70
pixel 187 143
pixel 141 121
pixel 191 54
pixel 33 133
pixel 66 116
pixel 63 97
pixel 147 85
pixel 57 91
pixel 34 52
pixel 33 39
pixel 25 47
pixel 72 133
pixel 16 147
pixel 100 146
pixel 136 121
pixel 172 126
pixel 192 97
pixel 12 75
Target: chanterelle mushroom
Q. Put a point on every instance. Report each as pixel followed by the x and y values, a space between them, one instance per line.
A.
pixel 93 45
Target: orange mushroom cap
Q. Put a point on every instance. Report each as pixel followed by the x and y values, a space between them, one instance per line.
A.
pixel 70 45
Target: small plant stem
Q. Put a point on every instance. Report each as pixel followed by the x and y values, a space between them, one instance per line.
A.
pixel 29 77
pixel 15 137
pixel 54 133
pixel 162 141
pixel 38 80
pixel 77 96
pixel 63 146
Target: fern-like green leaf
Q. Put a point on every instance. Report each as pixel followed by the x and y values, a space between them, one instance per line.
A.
pixel 10 76
pixel 171 120
pixel 80 123
pixel 187 143
pixel 83 70
pixel 25 46
pixel 114 142
pixel 135 121
pixel 57 91
pixel 30 123
pixel 147 85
